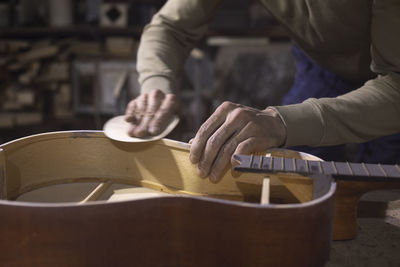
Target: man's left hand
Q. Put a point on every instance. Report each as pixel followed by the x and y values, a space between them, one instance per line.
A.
pixel 234 129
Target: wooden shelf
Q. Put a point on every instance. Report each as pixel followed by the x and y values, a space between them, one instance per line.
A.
pixel 81 31
pixel 92 32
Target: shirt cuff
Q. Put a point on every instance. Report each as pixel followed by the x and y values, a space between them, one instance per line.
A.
pixel 304 124
pixel 157 82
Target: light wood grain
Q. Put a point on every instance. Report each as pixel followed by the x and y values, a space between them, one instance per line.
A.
pixel 265 191
pixel 97 192
pixel 176 230
pixel 164 165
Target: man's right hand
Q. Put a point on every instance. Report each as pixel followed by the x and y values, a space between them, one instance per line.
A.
pixel 150 113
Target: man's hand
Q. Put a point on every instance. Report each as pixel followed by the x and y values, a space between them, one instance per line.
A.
pixel 150 113
pixel 234 129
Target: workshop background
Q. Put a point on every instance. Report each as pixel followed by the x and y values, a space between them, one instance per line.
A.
pixel 70 65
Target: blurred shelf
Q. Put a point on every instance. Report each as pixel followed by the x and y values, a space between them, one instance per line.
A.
pixel 76 122
pixel 81 31
pixel 90 31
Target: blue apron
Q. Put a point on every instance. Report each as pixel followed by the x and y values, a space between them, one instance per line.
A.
pixel 313 81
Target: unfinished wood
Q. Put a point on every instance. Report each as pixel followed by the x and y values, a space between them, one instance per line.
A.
pixel 290 187
pixel 164 165
pixel 265 191
pixel 90 156
pixel 59 193
pixel 97 192
pixel 135 193
pixel 179 230
pixel 345 209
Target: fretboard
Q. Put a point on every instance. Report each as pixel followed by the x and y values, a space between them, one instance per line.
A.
pixel 338 170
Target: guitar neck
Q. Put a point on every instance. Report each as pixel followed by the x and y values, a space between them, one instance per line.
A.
pixel 338 170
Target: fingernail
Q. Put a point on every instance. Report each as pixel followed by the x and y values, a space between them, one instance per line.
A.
pixel 193 159
pixel 140 134
pixel 131 132
pixel 201 173
pixel 153 130
pixel 213 177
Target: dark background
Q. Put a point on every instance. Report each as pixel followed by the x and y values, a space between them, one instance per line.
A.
pixel 61 61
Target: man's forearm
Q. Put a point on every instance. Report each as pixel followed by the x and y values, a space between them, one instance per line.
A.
pixel 364 114
pixel 168 39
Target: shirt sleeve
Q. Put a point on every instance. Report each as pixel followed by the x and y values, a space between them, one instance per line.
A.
pixel 168 39
pixel 363 114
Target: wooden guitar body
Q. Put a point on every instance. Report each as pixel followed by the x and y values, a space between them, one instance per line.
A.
pixel 198 224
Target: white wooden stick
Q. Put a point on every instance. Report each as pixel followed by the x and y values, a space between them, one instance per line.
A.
pixel 265 191
pixel 97 192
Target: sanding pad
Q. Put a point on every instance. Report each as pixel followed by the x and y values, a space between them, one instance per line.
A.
pixel 117 129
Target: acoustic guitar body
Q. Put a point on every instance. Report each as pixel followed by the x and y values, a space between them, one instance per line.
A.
pixel 197 224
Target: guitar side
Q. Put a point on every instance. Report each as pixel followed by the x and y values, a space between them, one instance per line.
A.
pixel 199 224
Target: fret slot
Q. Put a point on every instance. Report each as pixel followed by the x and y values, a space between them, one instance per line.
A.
pixel 358 169
pixel 267 164
pixel 374 170
pixel 255 164
pixel 328 168
pixel 277 164
pixel 380 167
pixel 251 160
pixel 348 166
pixel 334 167
pixel 301 166
pixel 391 170
pixel 343 168
pixel 365 169
pixel 289 165
pixel 314 166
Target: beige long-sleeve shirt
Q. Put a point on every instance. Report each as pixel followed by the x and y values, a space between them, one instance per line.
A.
pixel 356 39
